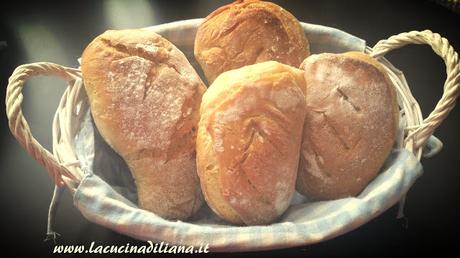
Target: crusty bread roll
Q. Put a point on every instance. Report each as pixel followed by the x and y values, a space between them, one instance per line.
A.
pixel 350 124
pixel 248 141
pixel 145 98
pixel 248 32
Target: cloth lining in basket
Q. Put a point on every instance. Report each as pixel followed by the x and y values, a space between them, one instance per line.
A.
pixel 305 222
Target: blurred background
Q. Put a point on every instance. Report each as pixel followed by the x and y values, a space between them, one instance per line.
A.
pixel 59 31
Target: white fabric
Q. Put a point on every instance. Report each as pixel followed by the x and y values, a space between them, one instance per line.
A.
pixel 107 194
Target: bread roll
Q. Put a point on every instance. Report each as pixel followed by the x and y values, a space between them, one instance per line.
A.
pixel 350 124
pixel 248 32
pixel 145 98
pixel 248 141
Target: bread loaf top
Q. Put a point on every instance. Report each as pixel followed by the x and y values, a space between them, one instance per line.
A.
pixel 248 141
pixel 247 32
pixel 350 126
pixel 141 90
pixel 145 98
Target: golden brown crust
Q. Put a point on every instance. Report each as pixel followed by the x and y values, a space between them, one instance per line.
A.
pixel 350 124
pixel 248 141
pixel 145 99
pixel 248 32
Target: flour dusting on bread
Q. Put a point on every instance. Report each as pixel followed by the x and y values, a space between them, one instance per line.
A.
pixel 145 99
pixel 253 126
pixel 351 123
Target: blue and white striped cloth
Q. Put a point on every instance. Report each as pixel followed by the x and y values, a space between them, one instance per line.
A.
pixel 113 205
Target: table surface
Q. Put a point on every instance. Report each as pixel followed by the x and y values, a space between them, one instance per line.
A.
pixel 58 32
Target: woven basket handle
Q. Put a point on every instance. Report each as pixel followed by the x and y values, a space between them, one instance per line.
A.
pixel 18 124
pixel 441 47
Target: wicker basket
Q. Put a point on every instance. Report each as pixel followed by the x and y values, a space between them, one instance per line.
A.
pixel 65 169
